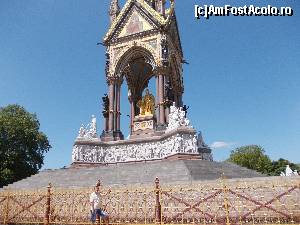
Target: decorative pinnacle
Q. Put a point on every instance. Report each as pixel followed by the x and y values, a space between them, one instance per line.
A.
pixel 114 10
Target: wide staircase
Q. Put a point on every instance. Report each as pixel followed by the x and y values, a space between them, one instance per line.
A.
pixel 177 171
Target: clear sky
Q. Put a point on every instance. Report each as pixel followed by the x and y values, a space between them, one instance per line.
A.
pixel 242 83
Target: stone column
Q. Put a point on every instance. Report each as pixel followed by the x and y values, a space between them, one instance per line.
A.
pixel 161 7
pixel 132 114
pixel 105 124
pixel 118 108
pixel 157 98
pixel 105 114
pixel 111 96
pixel 115 107
pixel 117 134
pixel 161 100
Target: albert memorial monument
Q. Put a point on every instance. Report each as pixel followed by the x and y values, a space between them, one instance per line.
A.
pixel 142 43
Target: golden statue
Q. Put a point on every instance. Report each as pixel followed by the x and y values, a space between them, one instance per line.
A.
pixel 147 104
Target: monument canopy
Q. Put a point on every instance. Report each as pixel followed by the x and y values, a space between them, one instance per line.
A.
pixel 142 43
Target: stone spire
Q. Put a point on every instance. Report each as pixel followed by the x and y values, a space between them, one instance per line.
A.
pixel 158 5
pixel 151 3
pixel 114 10
pixel 161 6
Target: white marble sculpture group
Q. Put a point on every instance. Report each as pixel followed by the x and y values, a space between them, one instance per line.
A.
pixel 289 172
pixel 90 131
pixel 177 142
pixel 177 118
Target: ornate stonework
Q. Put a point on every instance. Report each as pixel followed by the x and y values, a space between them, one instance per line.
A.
pixel 142 43
pixel 134 152
pixel 147 8
pixel 90 131
pixel 177 118
pixel 179 138
pixel 181 142
pixel 143 125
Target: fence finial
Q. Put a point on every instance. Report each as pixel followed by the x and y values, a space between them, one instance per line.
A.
pixel 157 182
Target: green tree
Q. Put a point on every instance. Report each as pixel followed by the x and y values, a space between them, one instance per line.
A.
pixel 252 157
pixel 280 165
pixel 22 145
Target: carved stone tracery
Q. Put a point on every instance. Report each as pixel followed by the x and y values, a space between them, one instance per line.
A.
pixel 138 57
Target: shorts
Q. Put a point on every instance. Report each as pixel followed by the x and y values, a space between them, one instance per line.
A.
pixel 98 212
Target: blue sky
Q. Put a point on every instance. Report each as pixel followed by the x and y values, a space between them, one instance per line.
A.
pixel 242 83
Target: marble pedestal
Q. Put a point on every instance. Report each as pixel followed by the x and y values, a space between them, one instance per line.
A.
pixel 143 126
pixel 182 140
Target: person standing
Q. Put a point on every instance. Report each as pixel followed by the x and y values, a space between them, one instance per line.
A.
pixel 95 202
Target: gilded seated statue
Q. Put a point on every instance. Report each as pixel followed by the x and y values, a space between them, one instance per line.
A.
pixel 147 104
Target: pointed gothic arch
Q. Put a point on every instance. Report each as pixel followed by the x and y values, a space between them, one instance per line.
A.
pixel 136 66
pixel 141 45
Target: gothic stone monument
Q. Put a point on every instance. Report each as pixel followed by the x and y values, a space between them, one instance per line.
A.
pixel 142 42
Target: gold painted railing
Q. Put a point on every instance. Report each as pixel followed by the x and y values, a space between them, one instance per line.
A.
pixel 249 201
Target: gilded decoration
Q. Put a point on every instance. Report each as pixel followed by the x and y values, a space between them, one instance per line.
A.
pixel 154 14
pixel 152 43
pixel 134 32
pixel 139 47
pixel 147 104
pixel 117 52
pixel 135 24
pixel 133 45
pixel 147 42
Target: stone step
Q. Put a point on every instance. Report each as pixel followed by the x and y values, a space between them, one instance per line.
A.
pixel 134 173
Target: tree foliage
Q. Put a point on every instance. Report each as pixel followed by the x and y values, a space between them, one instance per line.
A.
pixel 280 166
pixel 253 157
pixel 22 145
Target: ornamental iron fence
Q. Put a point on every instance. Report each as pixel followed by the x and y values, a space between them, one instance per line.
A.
pixel 270 201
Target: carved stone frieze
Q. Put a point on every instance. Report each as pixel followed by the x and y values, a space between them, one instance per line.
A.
pixel 143 125
pixel 180 138
pixel 135 151
pixel 124 52
pixel 152 43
